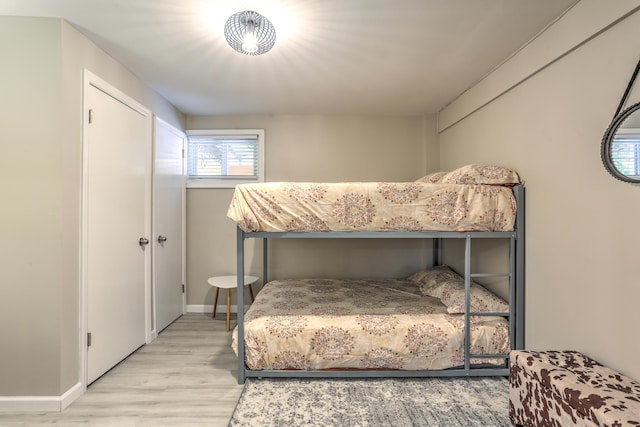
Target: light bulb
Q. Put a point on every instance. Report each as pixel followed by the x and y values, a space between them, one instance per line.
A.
pixel 249 42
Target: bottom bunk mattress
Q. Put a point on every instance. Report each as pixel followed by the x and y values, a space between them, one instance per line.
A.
pixel 315 324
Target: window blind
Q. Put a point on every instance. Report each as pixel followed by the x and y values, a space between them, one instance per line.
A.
pixel 223 157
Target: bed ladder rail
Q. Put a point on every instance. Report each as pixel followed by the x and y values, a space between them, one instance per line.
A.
pixel 511 275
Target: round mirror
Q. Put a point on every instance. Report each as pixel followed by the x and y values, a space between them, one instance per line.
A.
pixel 620 149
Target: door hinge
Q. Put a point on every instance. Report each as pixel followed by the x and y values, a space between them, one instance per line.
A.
pixel 90 116
pixel 88 339
pixel 183 288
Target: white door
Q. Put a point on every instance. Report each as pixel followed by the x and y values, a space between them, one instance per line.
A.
pixel 117 216
pixel 168 214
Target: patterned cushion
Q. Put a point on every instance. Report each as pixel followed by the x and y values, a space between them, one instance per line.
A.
pixel 474 174
pixel 559 388
pixel 447 285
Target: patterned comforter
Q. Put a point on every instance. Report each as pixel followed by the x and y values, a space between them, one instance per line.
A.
pixel 372 206
pixel 360 324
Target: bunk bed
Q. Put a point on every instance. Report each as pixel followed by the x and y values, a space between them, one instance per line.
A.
pixel 470 203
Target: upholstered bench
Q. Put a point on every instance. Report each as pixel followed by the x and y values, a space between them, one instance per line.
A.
pixel 567 388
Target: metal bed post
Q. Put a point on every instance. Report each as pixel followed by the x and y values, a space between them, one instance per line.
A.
pixel 265 268
pixel 467 303
pixel 519 193
pixel 437 251
pixel 513 294
pixel 240 282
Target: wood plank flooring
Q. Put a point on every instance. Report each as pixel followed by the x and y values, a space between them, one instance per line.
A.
pixel 185 377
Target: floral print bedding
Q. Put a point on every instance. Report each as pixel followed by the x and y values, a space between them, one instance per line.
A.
pixel 372 206
pixel 361 324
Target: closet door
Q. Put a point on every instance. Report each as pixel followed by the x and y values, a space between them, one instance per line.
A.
pixel 116 223
pixel 168 224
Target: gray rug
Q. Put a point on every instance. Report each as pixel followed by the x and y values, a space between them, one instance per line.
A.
pixel 394 402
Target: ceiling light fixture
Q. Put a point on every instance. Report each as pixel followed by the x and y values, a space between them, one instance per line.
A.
pixel 250 33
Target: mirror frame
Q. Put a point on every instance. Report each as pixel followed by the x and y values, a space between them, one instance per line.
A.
pixel 605 151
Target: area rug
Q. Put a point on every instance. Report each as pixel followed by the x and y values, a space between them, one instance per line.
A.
pixel 354 402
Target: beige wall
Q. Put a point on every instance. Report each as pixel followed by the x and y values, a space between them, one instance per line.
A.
pixel 311 148
pixel 582 289
pixel 40 167
pixel 31 213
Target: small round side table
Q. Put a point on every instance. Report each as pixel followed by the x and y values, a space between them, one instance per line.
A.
pixel 228 283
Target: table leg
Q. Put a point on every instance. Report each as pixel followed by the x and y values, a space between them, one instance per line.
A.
pixel 215 302
pixel 228 308
pixel 251 292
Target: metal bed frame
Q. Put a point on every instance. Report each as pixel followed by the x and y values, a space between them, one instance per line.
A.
pixel 516 296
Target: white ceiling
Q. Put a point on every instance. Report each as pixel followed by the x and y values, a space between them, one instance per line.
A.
pixel 390 57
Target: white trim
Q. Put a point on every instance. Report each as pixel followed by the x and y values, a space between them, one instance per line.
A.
pixel 115 93
pixel 41 403
pixel 217 183
pixel 71 395
pixel 149 325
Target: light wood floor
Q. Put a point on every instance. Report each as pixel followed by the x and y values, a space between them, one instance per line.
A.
pixel 185 377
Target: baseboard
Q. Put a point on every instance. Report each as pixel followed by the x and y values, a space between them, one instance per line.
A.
pixel 71 395
pixel 196 308
pixel 41 403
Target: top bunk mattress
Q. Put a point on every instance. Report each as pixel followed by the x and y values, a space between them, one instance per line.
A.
pixel 442 201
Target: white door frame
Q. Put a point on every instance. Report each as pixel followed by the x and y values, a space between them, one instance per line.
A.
pixel 91 79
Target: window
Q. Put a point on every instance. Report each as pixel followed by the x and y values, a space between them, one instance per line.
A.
pixel 625 152
pixel 224 158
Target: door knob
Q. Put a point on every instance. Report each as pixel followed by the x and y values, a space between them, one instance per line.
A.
pixel 143 241
pixel 162 239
